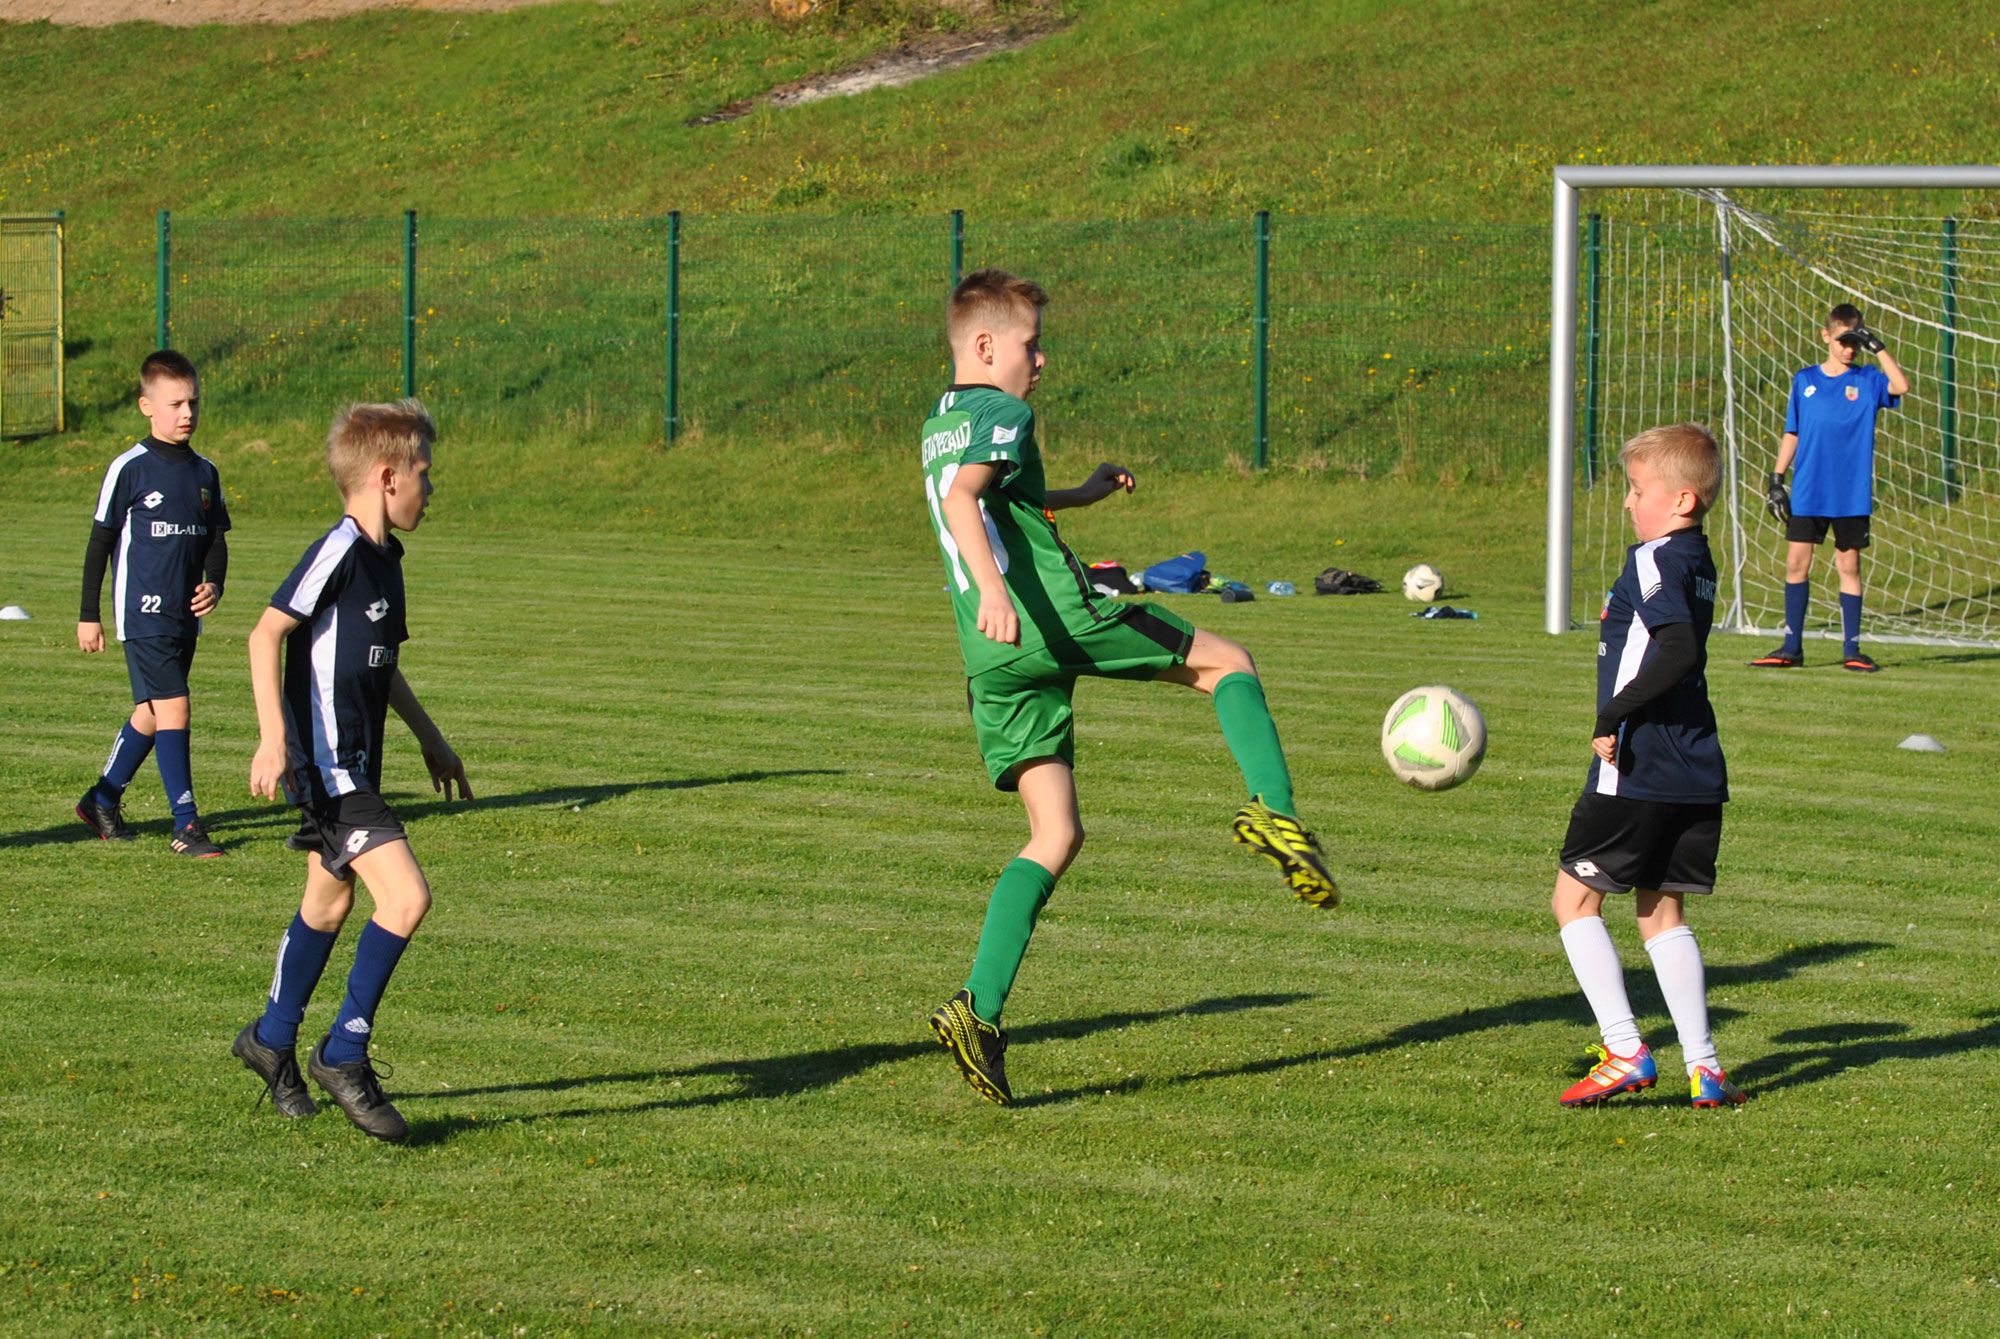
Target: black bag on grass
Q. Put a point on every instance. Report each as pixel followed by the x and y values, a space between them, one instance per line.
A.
pixel 1338 581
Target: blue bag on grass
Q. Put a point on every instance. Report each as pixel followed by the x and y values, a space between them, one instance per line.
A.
pixel 1177 576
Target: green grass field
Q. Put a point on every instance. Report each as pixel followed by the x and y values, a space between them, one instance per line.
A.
pixel 662 1038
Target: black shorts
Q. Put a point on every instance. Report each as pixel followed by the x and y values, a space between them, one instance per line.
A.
pixel 1616 844
pixel 159 666
pixel 345 827
pixel 1849 532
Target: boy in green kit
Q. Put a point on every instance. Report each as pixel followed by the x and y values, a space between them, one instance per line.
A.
pixel 1030 625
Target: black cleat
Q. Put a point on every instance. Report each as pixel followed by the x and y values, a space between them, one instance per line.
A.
pixel 978 1046
pixel 1859 663
pixel 358 1092
pixel 1782 658
pixel 106 820
pixel 191 839
pixel 278 1069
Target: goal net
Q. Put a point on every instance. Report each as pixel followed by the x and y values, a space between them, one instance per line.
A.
pixel 1700 300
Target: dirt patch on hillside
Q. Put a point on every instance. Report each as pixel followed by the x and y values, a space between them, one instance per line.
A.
pixel 188 13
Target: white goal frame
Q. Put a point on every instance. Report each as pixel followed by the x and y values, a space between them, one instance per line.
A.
pixel 1571 178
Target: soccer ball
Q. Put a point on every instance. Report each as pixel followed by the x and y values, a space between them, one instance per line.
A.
pixel 1433 738
pixel 1422 583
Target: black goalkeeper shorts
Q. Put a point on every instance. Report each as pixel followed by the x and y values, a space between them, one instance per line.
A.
pixel 1616 844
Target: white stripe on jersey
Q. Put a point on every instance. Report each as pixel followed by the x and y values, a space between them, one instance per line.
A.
pixel 123 571
pixel 325 726
pixel 331 550
pixel 1648 566
pixel 111 476
pixel 1637 639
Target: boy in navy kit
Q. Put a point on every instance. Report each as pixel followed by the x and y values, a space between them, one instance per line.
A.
pixel 338 625
pixel 1830 434
pixel 1650 817
pixel 159 524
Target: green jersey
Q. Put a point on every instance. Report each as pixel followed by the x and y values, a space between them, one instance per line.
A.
pixel 980 425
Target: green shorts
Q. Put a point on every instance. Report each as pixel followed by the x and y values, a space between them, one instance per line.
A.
pixel 1021 710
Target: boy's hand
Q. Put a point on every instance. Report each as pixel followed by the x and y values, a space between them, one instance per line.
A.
pixel 206 595
pixel 1105 480
pixel 90 637
pixel 267 770
pixel 1868 339
pixel 1605 747
pixel 998 619
pixel 1778 500
pixel 445 768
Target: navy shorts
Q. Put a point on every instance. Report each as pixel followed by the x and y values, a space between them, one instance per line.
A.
pixel 1849 532
pixel 1616 844
pixel 159 666
pixel 344 827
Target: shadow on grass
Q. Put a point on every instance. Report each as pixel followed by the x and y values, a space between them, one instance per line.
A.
pixel 229 823
pixel 1563 1007
pixel 781 1076
pixel 1826 1052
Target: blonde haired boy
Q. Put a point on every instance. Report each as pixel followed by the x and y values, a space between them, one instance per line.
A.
pixel 323 666
pixel 1030 625
pixel 1650 817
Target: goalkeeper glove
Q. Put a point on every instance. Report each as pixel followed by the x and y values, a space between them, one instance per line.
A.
pixel 1778 500
pixel 1863 338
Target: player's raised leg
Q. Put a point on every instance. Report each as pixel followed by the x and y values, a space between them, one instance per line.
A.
pixel 1670 943
pixel 340 1064
pixel 1269 822
pixel 969 1022
pixel 268 1045
pixel 1623 1062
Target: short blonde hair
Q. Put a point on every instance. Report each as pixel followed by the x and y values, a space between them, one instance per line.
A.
pixel 991 298
pixel 366 435
pixel 1684 455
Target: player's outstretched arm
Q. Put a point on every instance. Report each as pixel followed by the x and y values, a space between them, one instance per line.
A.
pixel 443 764
pixel 1105 480
pixel 998 618
pixel 267 648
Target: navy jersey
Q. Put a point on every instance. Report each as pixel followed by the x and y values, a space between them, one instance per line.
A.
pixel 347 593
pixel 1834 419
pixel 166 508
pixel 1668 749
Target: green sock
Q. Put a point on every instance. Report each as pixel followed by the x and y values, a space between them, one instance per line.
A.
pixel 1253 740
pixel 1017 899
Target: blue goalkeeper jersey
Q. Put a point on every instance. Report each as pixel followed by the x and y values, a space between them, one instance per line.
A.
pixel 1834 472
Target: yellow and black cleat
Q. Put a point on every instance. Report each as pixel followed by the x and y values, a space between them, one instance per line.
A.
pixel 978 1046
pixel 1291 848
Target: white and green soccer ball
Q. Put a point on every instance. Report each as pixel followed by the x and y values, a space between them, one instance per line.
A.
pixel 1433 738
pixel 1422 583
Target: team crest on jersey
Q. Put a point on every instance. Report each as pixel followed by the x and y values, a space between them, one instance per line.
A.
pixel 204 499
pixel 1811 391
pixel 154 498
pixel 1854 392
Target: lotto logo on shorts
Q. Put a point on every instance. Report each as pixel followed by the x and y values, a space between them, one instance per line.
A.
pixel 1587 868
pixel 357 841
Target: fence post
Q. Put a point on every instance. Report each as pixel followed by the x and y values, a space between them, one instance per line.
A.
pixel 1592 336
pixel 1948 356
pixel 1262 339
pixel 409 303
pixel 957 247
pixel 673 325
pixel 162 240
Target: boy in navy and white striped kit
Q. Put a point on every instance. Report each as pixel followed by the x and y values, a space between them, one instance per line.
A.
pixel 338 624
pixel 159 525
pixel 1649 821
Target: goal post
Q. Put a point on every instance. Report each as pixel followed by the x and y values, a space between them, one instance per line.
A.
pixel 1715 279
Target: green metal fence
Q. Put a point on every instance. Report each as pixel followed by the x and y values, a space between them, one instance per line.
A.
pixel 1366 348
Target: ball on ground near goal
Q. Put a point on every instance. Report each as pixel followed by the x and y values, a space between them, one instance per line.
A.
pixel 1433 738
pixel 1422 583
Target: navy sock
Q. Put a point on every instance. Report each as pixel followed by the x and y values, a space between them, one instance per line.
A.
pixel 176 774
pixel 1850 623
pixel 1795 614
pixel 302 956
pixel 375 957
pixel 127 755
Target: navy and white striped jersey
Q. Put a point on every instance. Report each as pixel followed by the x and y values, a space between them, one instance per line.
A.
pixel 165 503
pixel 347 593
pixel 1668 749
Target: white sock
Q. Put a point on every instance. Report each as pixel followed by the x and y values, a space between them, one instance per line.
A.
pixel 1594 959
pixel 1677 962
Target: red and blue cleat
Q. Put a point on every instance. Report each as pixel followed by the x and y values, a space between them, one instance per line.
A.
pixel 1712 1088
pixel 1612 1075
